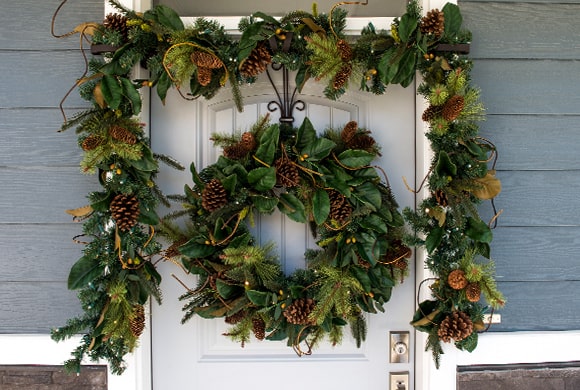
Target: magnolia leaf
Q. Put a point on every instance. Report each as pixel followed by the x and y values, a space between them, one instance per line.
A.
pixel 318 149
pixel 433 239
pixel 258 298
pixel 98 96
pixel 445 167
pixel 478 230
pixel 86 28
pixel 264 204
pixel 320 206
pixel 438 213
pixel 112 91
pixel 262 178
pixel 80 212
pixel 165 16
pixel 268 144
pixel 407 25
pixel 292 207
pixel 453 19
pixel 163 85
pixel 84 271
pixel 224 289
pixel 354 158
pixel 194 249
pixel 490 186
pixel 426 320
pixel 131 93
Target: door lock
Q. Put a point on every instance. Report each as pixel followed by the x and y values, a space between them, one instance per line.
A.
pixel 399 351
pixel 399 381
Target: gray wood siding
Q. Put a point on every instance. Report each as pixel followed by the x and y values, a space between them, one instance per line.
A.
pixel 526 64
pixel 38 166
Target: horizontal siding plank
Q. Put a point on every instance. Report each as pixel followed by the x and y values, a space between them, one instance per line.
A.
pixel 38 253
pixel 502 30
pixel 540 306
pixel 534 142
pixel 462 2
pixel 41 195
pixel 30 137
pixel 35 307
pixel 529 87
pixel 40 79
pixel 26 23
pixel 537 253
pixel 538 198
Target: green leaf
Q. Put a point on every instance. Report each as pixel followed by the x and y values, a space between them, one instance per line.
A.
pixel 258 298
pixel 292 207
pixel 247 40
pixel 147 162
pixel 84 271
pixel 103 203
pixel 320 206
pixel 268 144
pixel 354 158
pixel 360 274
pixel 112 91
pixel 478 230
pixel 262 179
pixel 229 183
pixel 195 176
pixel 444 166
pixel 318 149
pixel 388 67
pixel 167 17
pixel 406 69
pixel 264 204
pixel 131 93
pixel 453 19
pixel 369 194
pixel 374 222
pixel 225 290
pixel 407 25
pixel 306 134
pixel 434 239
pixel 194 249
pixel 266 18
pixel 147 215
pixel 163 85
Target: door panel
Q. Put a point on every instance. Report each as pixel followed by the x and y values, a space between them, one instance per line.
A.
pixel 196 355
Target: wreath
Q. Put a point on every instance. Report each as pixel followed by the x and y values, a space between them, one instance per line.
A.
pixel 326 181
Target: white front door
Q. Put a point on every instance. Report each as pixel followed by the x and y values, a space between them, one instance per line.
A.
pixel 196 355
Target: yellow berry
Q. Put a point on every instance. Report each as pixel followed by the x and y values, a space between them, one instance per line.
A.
pixel 119 171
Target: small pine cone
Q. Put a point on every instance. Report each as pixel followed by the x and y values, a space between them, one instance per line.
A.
pixel 236 151
pixel 473 292
pixel 259 328
pixel 430 113
pixel 256 62
pixel 204 59
pixel 125 211
pixel 248 141
pixel 92 142
pixel 117 22
pixel 137 321
pixel 344 49
pixel 287 174
pixel 457 279
pixel 441 198
pixel 401 264
pixel 433 23
pixel 341 77
pixel 121 134
pixel 340 207
pixel 349 131
pixel 453 107
pixel 173 250
pixel 213 196
pixel 235 318
pixel 299 311
pixel 203 76
pixel 456 326
pixel 362 142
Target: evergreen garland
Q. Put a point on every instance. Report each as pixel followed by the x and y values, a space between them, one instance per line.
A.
pixel 323 179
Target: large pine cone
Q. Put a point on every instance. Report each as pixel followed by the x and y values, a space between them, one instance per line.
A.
pixel 299 311
pixel 137 321
pixel 456 326
pixel 121 134
pixel 256 62
pixel 473 292
pixel 344 49
pixel 341 77
pixel 362 142
pixel 213 196
pixel 340 207
pixel 287 174
pixel 349 131
pixel 92 142
pixel 125 211
pixel 457 279
pixel 433 23
pixel 430 113
pixel 205 62
pixel 235 318
pixel 453 107
pixel 259 328
pixel 117 22
pixel 236 151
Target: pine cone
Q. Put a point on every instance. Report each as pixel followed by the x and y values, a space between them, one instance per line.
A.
pixel 236 151
pixel 92 142
pixel 117 22
pixel 297 313
pixel 287 174
pixel 205 62
pixel 248 141
pixel 473 292
pixel 453 107
pixel 235 318
pixel 344 49
pixel 213 196
pixel 125 211
pixel 137 321
pixel 349 131
pixel 256 62
pixel 173 250
pixel 441 198
pixel 341 77
pixel 430 113
pixel 433 23
pixel 121 134
pixel 259 328
pixel 456 326
pixel 362 142
pixel 457 279
pixel 340 207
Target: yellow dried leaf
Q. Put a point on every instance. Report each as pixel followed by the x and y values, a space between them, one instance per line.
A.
pixel 439 214
pixel 80 212
pixel 86 28
pixel 490 186
pixel 98 96
pixel 428 319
